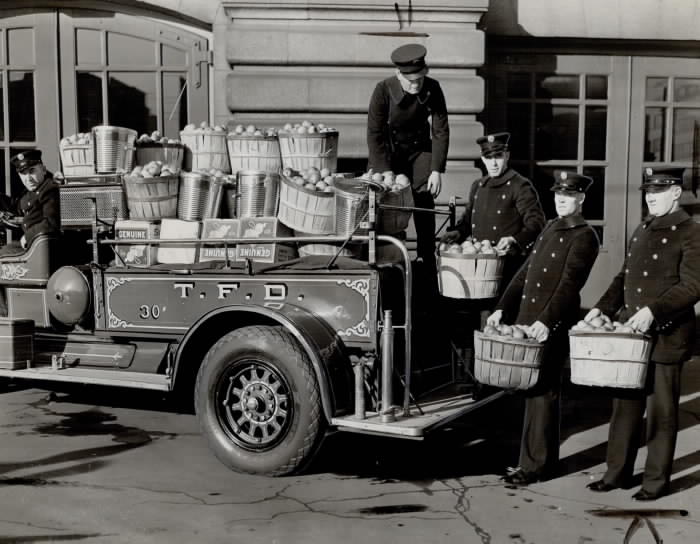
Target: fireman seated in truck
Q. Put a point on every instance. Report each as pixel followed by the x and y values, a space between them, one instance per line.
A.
pixel 37 210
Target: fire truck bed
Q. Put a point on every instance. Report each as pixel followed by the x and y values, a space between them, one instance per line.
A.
pixel 436 413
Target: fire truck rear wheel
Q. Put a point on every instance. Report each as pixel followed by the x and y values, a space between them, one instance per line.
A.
pixel 258 403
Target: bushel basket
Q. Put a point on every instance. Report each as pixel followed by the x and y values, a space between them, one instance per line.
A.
pixel 254 153
pixel 300 151
pixel 78 160
pixel 171 155
pixel 469 276
pixel 505 362
pixel 205 149
pixel 395 221
pixel 609 359
pixel 305 210
pixel 152 198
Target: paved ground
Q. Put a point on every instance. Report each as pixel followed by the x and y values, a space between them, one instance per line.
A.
pixel 102 465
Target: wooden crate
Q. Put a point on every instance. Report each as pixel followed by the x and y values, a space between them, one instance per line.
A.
pixel 609 359
pixel 469 276
pixel 505 362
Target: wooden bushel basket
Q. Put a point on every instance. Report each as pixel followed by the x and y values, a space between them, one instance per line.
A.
pixel 204 150
pixel 254 153
pixel 171 155
pixel 609 359
pixel 506 362
pixel 300 151
pixel 304 210
pixel 78 160
pixel 152 198
pixel 469 276
pixel 395 221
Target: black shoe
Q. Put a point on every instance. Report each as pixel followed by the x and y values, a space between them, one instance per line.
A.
pixel 601 486
pixel 518 476
pixel 644 495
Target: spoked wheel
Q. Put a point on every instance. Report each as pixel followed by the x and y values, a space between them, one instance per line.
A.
pixel 258 402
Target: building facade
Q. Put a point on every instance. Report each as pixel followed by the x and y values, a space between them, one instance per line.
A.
pixel 605 89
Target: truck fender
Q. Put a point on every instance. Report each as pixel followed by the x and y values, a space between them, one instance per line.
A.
pixel 322 344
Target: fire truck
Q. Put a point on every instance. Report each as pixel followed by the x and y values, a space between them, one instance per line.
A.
pixel 275 355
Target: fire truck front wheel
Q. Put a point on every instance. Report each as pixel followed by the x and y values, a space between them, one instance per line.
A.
pixel 258 402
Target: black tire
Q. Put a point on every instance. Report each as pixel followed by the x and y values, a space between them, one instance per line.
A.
pixel 258 403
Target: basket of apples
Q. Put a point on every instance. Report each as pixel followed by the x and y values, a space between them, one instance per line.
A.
pixel 154 147
pixel 77 155
pixel 506 356
pixel 470 270
pixel 205 147
pixel 152 191
pixel 307 144
pixel 397 192
pixel 307 200
pixel 607 353
pixel 252 148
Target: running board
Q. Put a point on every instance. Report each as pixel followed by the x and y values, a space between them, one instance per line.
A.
pixel 435 414
pixel 138 380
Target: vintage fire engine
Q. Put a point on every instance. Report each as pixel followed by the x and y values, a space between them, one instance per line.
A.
pixel 276 355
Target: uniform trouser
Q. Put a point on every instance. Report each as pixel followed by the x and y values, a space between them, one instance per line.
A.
pixel 539 444
pixel 661 402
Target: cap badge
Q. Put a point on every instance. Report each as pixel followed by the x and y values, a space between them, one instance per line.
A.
pixel 490 138
pixel 564 175
pixel 649 171
pixel 20 157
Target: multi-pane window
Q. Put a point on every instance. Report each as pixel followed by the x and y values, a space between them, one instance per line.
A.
pixel 127 81
pixel 557 121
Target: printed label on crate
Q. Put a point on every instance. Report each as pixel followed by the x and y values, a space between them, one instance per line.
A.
pixel 264 227
pixel 136 255
pixel 175 229
pixel 218 228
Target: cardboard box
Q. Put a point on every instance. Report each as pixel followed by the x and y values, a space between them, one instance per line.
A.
pixel 16 343
pixel 178 229
pixel 264 227
pixel 136 255
pixel 218 228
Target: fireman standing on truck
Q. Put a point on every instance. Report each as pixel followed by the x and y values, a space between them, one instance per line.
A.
pixel 544 295
pixel 408 133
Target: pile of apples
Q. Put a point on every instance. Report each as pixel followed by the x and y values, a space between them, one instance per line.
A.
pixel 305 127
pixel 388 179
pixel 470 247
pixel 516 332
pixel 81 138
pixel 204 127
pixel 152 169
pixel 251 131
pixel 155 137
pixel 601 323
pixel 311 179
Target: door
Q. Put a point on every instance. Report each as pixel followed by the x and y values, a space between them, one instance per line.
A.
pixel 569 112
pixel 28 89
pixel 664 125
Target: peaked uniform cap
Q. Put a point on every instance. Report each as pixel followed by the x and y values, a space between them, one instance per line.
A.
pixel 26 159
pixel 662 177
pixel 409 58
pixel 493 143
pixel 571 182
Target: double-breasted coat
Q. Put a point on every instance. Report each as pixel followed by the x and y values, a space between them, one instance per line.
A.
pixel 662 272
pixel 39 209
pixel 546 289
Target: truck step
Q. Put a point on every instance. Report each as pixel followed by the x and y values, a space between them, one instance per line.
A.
pixel 436 413
pixel 138 380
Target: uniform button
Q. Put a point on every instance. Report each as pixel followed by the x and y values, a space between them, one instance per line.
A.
pixel 634 239
pixel 544 270
pixel 636 307
pixel 629 254
pixel 627 270
pixel 473 225
pixel 503 197
pixel 476 196
pixel 673 227
pixel 533 299
pixel 498 211
pixel 664 241
pixel 561 240
pixel 627 305
pixel 639 289
pixel 534 251
pixel 508 183
pixel 524 297
pixel 655 256
pixel 554 255
pixel 644 226
pixel 494 227
pixel 645 273
pixel 539 284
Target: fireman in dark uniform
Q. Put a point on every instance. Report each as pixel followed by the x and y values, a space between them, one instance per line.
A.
pixel 408 133
pixel 544 294
pixel 655 293
pixel 37 210
pixel 503 206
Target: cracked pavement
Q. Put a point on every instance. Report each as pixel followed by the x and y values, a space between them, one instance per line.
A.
pixel 108 465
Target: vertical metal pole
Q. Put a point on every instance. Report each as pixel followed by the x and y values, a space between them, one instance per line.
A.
pixel 372 249
pixel 387 369
pixel 358 368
